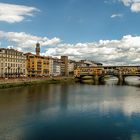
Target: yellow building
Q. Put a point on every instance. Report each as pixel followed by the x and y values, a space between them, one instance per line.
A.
pixel 88 71
pixel 38 65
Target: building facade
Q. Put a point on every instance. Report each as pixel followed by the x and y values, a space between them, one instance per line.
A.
pixel 12 63
pixel 39 65
pixel 88 71
pixel 50 60
pixel 64 66
pixel 56 67
pixel 71 68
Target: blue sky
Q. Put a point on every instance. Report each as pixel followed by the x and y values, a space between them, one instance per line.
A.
pixel 78 28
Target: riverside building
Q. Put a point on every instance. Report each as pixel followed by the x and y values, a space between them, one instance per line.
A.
pixel 12 63
pixel 37 65
pixel 64 66
pixel 56 67
pixel 71 67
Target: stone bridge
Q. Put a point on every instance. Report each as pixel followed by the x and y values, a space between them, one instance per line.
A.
pixel 99 73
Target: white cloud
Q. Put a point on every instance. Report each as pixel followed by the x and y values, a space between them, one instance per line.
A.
pixel 135 7
pixel 26 42
pixel 116 15
pixel 12 13
pixel 133 4
pixel 119 52
pixel 123 51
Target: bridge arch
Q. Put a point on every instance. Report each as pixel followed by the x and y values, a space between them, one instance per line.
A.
pixel 103 76
pixel 125 76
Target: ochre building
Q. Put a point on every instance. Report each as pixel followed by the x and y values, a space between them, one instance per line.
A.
pixel 39 65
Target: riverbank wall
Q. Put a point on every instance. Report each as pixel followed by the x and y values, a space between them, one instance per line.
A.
pixel 18 82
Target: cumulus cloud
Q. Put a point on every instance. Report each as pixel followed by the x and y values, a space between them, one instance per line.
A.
pixel 133 4
pixel 12 13
pixel 120 52
pixel 116 15
pixel 26 42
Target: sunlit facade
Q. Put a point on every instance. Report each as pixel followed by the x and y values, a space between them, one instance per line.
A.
pixel 12 63
pixel 38 65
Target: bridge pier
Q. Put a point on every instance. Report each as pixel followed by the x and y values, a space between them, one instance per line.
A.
pixel 121 78
pixel 96 79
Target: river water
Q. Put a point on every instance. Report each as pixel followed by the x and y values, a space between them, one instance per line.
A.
pixel 71 112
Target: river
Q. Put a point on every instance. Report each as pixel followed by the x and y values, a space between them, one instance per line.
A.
pixel 77 111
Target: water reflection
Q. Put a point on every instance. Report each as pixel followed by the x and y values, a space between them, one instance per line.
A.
pixel 76 111
pixel 131 81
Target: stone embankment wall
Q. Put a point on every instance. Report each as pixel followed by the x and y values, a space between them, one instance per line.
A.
pixel 12 82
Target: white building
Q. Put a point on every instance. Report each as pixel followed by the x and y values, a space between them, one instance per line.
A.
pixel 50 66
pixel 71 67
pixel 12 63
pixel 56 67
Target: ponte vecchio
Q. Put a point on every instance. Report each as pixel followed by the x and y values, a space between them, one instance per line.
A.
pixel 100 72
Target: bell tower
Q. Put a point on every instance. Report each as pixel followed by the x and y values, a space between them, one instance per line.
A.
pixel 37 48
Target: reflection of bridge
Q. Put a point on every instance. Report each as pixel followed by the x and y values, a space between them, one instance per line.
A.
pixel 98 73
